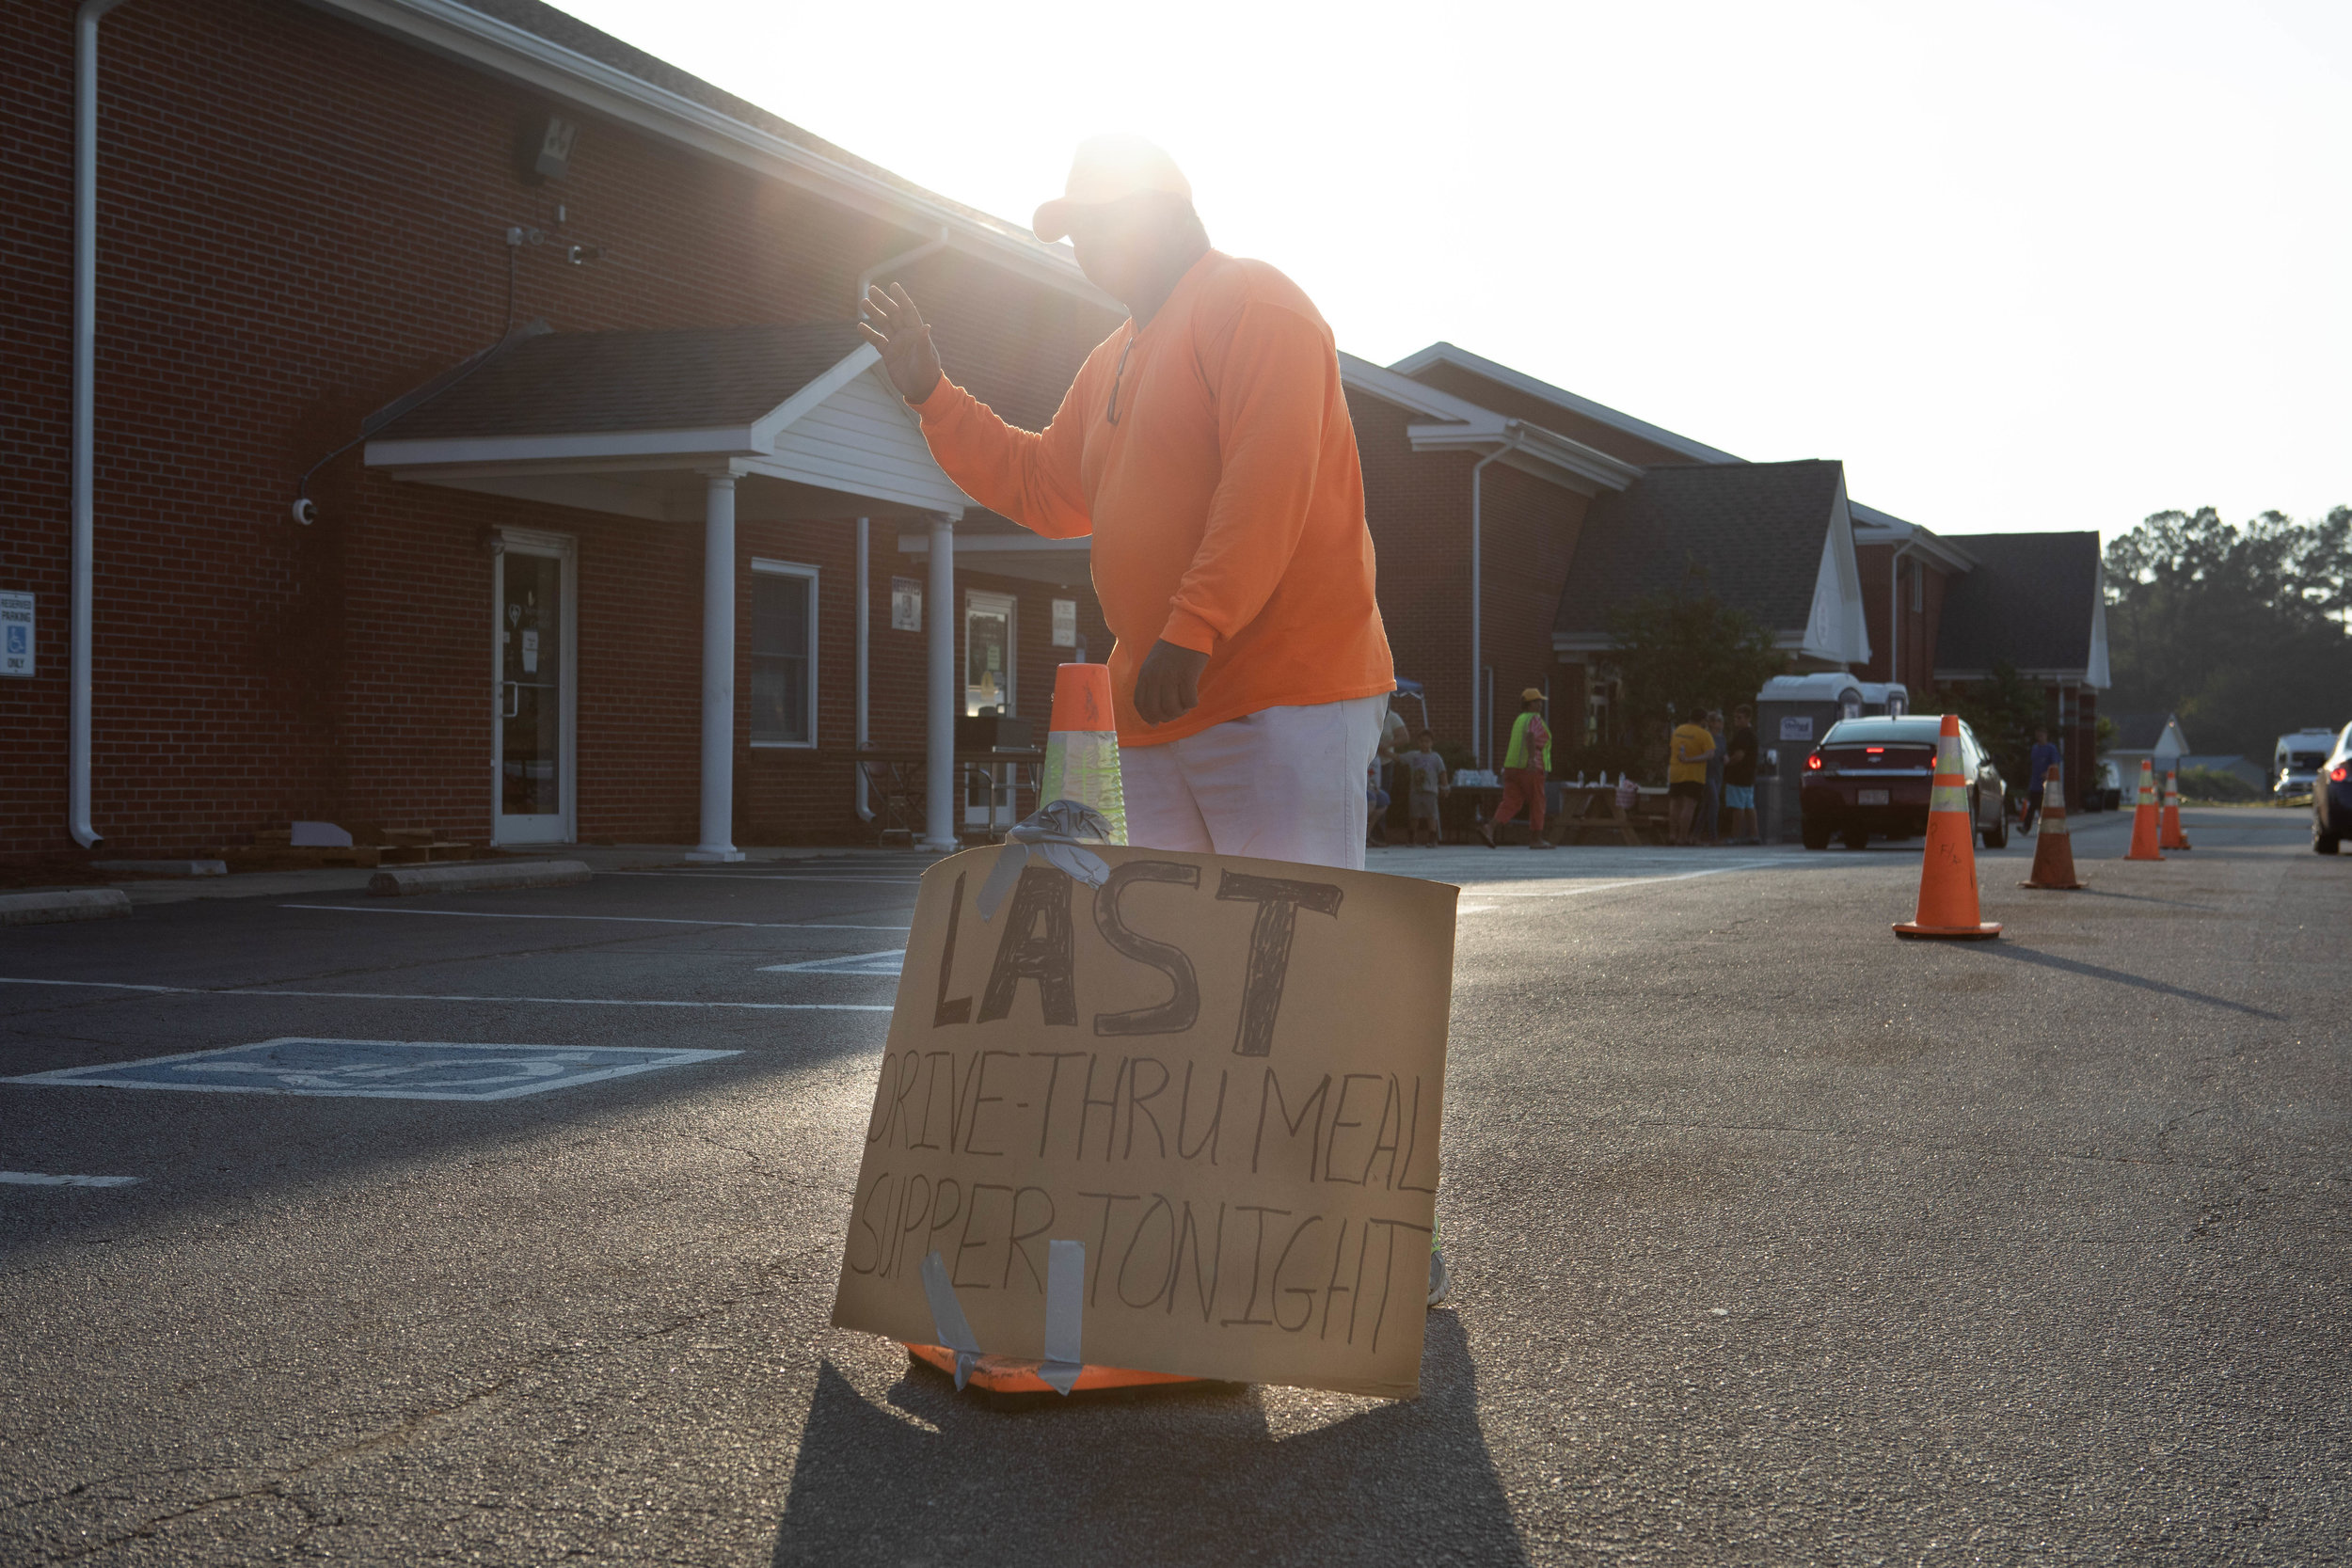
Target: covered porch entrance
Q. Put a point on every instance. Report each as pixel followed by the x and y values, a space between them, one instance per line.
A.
pixel 675 429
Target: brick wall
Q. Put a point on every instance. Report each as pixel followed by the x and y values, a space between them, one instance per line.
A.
pixel 1417 506
pixel 1909 650
pixel 299 220
pixel 1513 404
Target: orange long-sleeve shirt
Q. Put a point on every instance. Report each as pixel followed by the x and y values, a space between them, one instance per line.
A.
pixel 1226 502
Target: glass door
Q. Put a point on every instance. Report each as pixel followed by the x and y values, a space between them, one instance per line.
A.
pixel 532 748
pixel 988 687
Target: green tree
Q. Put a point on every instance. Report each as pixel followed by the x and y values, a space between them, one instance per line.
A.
pixel 1680 654
pixel 2240 630
pixel 2004 711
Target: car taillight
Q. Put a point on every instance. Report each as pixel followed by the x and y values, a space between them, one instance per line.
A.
pixel 2338 773
pixel 1813 762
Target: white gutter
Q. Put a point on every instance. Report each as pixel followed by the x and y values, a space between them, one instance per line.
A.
pixel 1479 718
pixel 85 375
pixel 864 604
pixel 1895 614
pixel 462 33
pixel 865 527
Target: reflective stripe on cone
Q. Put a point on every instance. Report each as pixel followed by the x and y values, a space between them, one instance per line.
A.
pixel 2053 849
pixel 2171 837
pixel 1947 868
pixel 2144 816
pixel 1082 748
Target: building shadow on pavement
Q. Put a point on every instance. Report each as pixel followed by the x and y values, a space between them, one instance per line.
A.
pixel 939 1478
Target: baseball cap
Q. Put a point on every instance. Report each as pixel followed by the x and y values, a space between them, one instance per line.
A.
pixel 1533 694
pixel 1108 169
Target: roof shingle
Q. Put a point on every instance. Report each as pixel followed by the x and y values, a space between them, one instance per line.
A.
pixel 591 383
pixel 2027 600
pixel 1754 529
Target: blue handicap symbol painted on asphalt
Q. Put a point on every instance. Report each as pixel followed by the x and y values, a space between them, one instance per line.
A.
pixel 379 1070
pixel 886 964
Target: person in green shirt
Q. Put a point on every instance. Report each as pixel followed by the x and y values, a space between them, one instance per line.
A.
pixel 1526 764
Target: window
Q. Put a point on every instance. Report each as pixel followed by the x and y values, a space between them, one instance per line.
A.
pixel 784 653
pixel 1918 586
pixel 988 648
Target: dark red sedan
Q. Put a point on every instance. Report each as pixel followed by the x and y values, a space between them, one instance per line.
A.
pixel 1874 775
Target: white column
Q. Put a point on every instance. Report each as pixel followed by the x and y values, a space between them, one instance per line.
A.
pixel 864 601
pixel 718 832
pixel 939 790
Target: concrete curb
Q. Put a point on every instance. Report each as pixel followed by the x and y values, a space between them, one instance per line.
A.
pixel 80 903
pixel 166 869
pixel 403 881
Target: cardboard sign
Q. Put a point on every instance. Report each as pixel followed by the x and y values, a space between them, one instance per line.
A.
pixel 1222 1078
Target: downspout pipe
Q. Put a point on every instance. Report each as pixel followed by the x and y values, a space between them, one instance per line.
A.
pixel 85 374
pixel 1895 613
pixel 865 608
pixel 866 281
pixel 1480 719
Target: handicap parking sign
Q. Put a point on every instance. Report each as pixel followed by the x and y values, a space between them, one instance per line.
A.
pixel 379 1070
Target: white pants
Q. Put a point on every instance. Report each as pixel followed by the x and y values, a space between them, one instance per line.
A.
pixel 1283 783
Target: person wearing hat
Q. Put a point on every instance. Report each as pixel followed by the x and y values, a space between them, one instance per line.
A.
pixel 1206 448
pixel 1526 764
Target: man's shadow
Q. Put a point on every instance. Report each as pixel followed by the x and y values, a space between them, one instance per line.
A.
pixel 1180 1479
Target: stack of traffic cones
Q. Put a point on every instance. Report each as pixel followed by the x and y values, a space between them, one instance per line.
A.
pixel 2144 816
pixel 1081 765
pixel 1082 748
pixel 2053 849
pixel 1947 873
pixel 2173 837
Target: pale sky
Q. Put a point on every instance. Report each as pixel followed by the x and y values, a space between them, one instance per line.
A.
pixel 2019 265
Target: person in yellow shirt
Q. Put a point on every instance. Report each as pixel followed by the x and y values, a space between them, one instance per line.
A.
pixel 1686 777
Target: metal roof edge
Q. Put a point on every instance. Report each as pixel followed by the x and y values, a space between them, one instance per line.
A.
pixel 464 34
pixel 1519 381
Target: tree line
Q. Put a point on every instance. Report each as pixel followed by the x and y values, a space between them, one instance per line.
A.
pixel 2241 630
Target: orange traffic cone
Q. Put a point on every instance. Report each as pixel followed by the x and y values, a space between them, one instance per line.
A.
pixel 2144 816
pixel 1947 872
pixel 1081 765
pixel 2172 838
pixel 2053 847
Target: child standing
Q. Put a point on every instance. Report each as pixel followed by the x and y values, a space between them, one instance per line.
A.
pixel 1426 769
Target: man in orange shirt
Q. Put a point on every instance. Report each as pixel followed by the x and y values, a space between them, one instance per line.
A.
pixel 1206 448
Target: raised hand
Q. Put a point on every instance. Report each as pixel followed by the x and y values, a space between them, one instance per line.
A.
pixel 898 329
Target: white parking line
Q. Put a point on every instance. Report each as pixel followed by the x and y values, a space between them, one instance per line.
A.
pixel 888 964
pixel 34 1179
pixel 1495 889
pixel 418 996
pixel 762 877
pixel 623 919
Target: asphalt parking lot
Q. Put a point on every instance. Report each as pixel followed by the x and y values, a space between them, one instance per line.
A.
pixel 1778 1241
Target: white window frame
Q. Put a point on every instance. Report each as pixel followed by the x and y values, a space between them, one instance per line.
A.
pixel 791 569
pixel 1012 646
pixel 564 548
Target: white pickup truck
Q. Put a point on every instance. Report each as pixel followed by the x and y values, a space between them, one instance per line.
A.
pixel 2297 759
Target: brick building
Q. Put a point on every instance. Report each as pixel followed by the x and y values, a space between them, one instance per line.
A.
pixel 307 216
pixel 617 533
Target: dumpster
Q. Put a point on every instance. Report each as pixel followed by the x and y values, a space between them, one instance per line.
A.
pixel 1792 714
